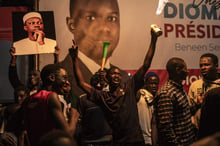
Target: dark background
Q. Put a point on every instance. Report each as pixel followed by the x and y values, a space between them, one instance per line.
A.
pixel 14 3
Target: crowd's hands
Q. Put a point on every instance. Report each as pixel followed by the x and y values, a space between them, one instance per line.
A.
pixel 13 56
pixel 154 31
pixel 198 102
pixel 73 115
pixel 57 51
pixel 39 36
pixel 12 51
pixel 74 51
pixel 102 80
pixel 56 54
pixel 138 96
pixel 103 74
pixel 73 118
pixel 200 98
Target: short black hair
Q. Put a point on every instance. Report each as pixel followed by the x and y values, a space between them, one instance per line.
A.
pixel 172 64
pixel 20 88
pixel 212 56
pixel 47 70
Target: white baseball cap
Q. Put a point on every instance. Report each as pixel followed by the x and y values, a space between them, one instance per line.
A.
pixel 31 15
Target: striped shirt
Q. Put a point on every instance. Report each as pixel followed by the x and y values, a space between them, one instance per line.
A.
pixel 173 115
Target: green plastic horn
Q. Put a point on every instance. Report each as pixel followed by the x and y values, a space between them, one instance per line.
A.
pixel 104 55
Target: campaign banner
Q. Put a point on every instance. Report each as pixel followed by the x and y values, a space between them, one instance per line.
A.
pixel 190 29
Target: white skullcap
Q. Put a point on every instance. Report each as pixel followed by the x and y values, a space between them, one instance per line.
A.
pixel 30 15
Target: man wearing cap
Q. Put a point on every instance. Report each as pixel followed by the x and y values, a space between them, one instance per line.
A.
pixel 36 42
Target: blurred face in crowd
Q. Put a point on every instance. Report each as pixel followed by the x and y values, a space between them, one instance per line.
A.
pixel 114 77
pixel 67 88
pixel 182 71
pixel 152 84
pixel 92 22
pixel 20 95
pixel 62 84
pixel 34 78
pixel 207 68
pixel 177 69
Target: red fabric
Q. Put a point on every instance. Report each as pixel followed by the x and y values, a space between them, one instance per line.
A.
pixel 37 119
pixel 6 32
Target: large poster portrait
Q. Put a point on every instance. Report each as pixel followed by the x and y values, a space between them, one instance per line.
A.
pixel 190 29
pixel 33 32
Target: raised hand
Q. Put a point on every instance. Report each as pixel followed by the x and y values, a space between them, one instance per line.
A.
pixel 39 36
pixel 12 51
pixel 57 50
pixel 99 80
pixel 155 31
pixel 73 114
pixel 74 51
pixel 56 54
pixel 13 56
pixel 103 78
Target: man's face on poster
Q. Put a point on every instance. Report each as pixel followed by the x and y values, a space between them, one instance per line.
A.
pixel 33 24
pixel 95 21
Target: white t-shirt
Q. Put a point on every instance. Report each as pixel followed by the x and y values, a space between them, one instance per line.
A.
pixel 145 113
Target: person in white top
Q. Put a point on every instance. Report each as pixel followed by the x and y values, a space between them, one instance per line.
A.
pixel 146 97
